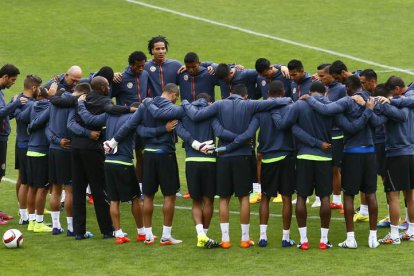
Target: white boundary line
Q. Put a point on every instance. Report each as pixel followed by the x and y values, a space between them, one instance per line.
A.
pixel 271 37
pixel 215 211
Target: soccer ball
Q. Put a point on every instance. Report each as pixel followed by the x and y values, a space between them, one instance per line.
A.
pixel 13 238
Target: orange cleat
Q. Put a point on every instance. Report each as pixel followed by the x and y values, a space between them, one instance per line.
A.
pixel 225 244
pixel 246 244
pixel 122 240
pixel 335 206
pixel 186 196
pixel 140 238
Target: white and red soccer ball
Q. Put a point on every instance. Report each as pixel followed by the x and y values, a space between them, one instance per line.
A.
pixel 13 238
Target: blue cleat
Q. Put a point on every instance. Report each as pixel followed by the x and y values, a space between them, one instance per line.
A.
pixel 108 235
pixel 289 243
pixel 262 243
pixel 384 223
pixel 57 231
pixel 70 233
pixel 87 235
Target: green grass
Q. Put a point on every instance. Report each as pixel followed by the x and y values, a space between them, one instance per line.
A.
pixel 46 37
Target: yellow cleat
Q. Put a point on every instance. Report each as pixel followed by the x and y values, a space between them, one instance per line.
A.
pixel 40 227
pixel 255 198
pixel 31 225
pixel 360 218
pixel 277 199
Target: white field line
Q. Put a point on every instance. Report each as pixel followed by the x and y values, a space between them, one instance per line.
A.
pixel 271 37
pixel 216 211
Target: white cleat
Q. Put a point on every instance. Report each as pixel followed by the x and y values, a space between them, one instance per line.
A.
pixel 351 244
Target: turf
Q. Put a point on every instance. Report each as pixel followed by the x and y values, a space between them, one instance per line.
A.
pixel 46 37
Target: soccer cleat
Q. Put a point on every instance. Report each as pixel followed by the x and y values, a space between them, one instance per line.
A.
pixel 351 244
pixel 87 235
pixel 405 237
pixel 206 242
pixel 46 211
pixel 303 245
pixel 169 241
pixel 388 240
pixel 325 245
pixel 90 199
pixel 178 194
pixel 255 197
pixel 289 243
pixel 373 243
pixel 121 240
pixel 277 199
pixel 5 216
pixel 70 233
pixel 186 196
pixel 262 243
pixel 403 225
pixel 360 218
pixel 384 223
pixel 140 238
pixel 225 244
pixel 108 235
pixel 3 222
pixel 57 231
pixel 30 226
pixel 335 205
pixel 149 241
pixel 40 227
pixel 23 222
pixel 246 244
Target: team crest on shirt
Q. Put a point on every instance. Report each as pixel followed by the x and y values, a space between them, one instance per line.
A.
pixel 186 77
pixel 263 83
pixel 129 85
pixel 293 90
pixel 152 68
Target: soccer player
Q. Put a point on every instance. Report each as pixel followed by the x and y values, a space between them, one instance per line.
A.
pixel 359 161
pixel 399 159
pixel 88 161
pixel 161 70
pixel 60 171
pixel 268 73
pixel 234 170
pixel 67 81
pixel 8 77
pixel 314 159
pixel 301 81
pixel 31 89
pixel 335 91
pixel 340 73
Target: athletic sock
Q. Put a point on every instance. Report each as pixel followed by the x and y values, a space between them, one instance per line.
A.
pixel 337 199
pixel 119 233
pixel 324 235
pixel 141 231
pixel 205 230
pixel 410 230
pixel 256 188
pixel 394 232
pixel 350 236
pixel 363 211
pixel 32 217
pixel 245 232
pixel 148 233
pixel 286 235
pixel 39 218
pixel 199 229
pixel 24 214
pixel 317 199
pixel 373 234
pixel 406 215
pixel 225 232
pixel 263 231
pixel 69 221
pixel 303 234
pixel 166 232
pixel 55 219
pixel 63 196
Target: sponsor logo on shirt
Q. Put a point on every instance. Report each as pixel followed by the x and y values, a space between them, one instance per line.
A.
pixel 153 69
pixel 129 85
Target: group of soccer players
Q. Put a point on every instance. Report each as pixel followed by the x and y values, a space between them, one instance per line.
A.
pixel 324 133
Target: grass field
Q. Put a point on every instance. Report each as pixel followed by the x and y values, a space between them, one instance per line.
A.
pixel 46 37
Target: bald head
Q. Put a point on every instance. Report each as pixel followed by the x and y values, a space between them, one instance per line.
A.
pixel 73 75
pixel 100 85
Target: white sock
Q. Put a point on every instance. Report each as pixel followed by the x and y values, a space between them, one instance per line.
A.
pixel 55 219
pixel 119 233
pixel 166 231
pixel 140 186
pixel 394 232
pixel 324 235
pixel 363 210
pixel 303 234
pixel 410 230
pixel 205 230
pixel 32 217
pixel 256 188
pixel 317 199
pixel 88 190
pixel 373 234
pixel 39 218
pixel 263 231
pixel 336 199
pixel 141 231
pixel 406 215
pixel 24 214
pixel 245 232
pixel 350 236
pixel 199 229
pixel 388 210
pixel 225 232
pixel 69 221
pixel 148 233
pixel 63 196
pixel 286 235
